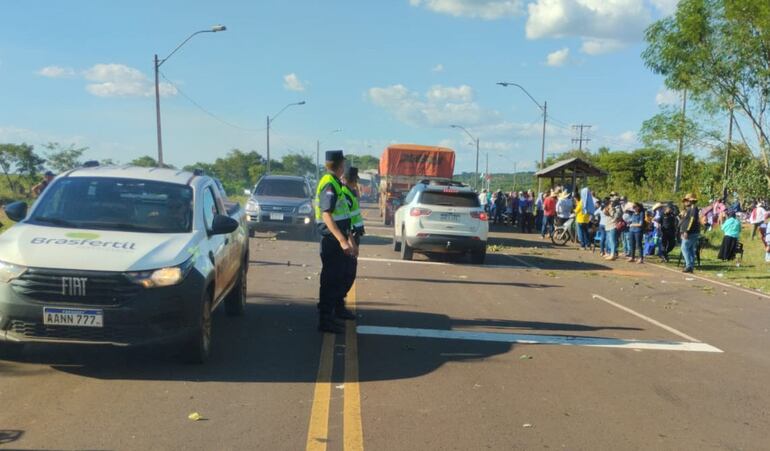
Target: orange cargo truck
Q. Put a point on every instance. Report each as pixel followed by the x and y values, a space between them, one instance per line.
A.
pixel 403 165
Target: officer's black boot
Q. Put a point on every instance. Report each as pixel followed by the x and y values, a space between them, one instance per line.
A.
pixel 342 313
pixel 326 323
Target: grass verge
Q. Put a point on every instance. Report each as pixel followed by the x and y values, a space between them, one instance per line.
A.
pixel 752 272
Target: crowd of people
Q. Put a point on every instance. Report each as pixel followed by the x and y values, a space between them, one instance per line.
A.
pixel 616 226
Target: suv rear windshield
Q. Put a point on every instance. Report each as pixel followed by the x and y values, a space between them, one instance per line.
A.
pixel 450 199
pixel 116 204
pixel 282 188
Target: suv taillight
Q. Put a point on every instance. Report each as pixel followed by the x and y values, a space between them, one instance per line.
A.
pixel 419 212
pixel 480 215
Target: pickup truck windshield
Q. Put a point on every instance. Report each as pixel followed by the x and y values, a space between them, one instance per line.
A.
pixel 282 188
pixel 116 204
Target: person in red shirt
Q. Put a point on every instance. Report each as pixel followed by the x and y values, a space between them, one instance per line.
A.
pixel 549 214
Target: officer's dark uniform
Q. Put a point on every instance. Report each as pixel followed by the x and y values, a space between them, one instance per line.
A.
pixel 357 230
pixel 335 263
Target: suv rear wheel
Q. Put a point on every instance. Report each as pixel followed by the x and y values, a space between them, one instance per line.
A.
pixel 406 251
pixel 478 257
pixel 396 244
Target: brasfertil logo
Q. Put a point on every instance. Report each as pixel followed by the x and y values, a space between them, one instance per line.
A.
pixel 84 239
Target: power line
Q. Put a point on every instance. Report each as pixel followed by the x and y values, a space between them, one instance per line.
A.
pixel 207 112
pixel 581 140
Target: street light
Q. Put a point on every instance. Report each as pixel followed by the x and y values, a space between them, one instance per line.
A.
pixel 270 121
pixel 476 140
pixel 158 63
pixel 318 154
pixel 544 109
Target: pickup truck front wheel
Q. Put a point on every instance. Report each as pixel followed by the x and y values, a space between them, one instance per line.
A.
pixel 235 302
pixel 197 350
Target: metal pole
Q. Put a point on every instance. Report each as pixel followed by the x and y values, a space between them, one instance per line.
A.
pixel 486 172
pixel 514 176
pixel 678 169
pixel 542 147
pixel 476 185
pixel 318 160
pixel 157 114
pixel 727 151
pixel 268 144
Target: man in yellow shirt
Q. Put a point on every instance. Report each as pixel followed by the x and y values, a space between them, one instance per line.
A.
pixel 584 210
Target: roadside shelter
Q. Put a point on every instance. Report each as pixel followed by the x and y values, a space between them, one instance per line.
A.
pixel 574 171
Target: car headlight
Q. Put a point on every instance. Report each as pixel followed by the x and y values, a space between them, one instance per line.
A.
pixel 305 209
pixel 163 277
pixel 9 271
pixel 252 205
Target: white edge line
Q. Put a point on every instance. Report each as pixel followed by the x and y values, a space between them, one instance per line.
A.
pixel 647 318
pixel 716 282
pixel 539 339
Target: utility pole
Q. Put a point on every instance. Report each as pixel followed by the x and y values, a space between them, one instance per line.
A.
pixel 157 113
pixel 678 169
pixel 477 164
pixel 489 179
pixel 268 144
pixel 514 176
pixel 729 147
pixel 542 149
pixel 581 140
pixel 318 161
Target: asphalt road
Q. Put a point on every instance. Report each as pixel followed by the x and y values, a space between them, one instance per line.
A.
pixel 542 348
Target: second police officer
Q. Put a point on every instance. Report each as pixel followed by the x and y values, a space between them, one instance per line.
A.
pixel 350 190
pixel 332 214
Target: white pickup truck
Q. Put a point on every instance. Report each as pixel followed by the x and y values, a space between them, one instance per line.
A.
pixel 122 256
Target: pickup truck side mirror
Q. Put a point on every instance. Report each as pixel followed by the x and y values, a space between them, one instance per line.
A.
pixel 221 225
pixel 16 211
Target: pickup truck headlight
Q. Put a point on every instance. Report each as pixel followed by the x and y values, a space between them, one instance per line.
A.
pixel 9 271
pixel 305 209
pixel 163 277
pixel 252 205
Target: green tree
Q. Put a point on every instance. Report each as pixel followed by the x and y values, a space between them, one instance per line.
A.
pixel 298 164
pixel 363 162
pixel 61 158
pixel 144 161
pixel 720 51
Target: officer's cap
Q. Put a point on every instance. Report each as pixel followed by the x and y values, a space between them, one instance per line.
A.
pixel 351 173
pixel 334 156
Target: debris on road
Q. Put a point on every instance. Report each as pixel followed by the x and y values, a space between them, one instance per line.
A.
pixel 526 425
pixel 525 357
pixel 195 416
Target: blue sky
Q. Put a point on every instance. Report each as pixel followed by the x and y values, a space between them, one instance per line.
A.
pixel 386 71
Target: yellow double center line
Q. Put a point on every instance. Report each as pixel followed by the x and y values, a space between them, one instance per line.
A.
pixel 318 431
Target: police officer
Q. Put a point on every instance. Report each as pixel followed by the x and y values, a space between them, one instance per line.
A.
pixel 350 190
pixel 332 215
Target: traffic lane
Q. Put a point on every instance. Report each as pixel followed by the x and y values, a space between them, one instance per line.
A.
pixel 728 317
pixel 466 394
pixel 256 390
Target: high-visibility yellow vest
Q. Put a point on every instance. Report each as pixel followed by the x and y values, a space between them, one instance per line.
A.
pixel 357 221
pixel 341 209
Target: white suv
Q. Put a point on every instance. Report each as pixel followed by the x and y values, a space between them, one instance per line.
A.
pixel 444 217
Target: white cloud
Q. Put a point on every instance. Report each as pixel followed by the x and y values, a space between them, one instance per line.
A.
pixel 292 83
pixel 603 25
pixel 558 58
pixel 56 72
pixel 666 96
pixel 119 80
pixel 441 106
pixel 483 9
pixel 438 68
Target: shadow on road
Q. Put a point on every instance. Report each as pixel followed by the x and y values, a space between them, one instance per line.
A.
pixel 10 436
pixel 276 341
